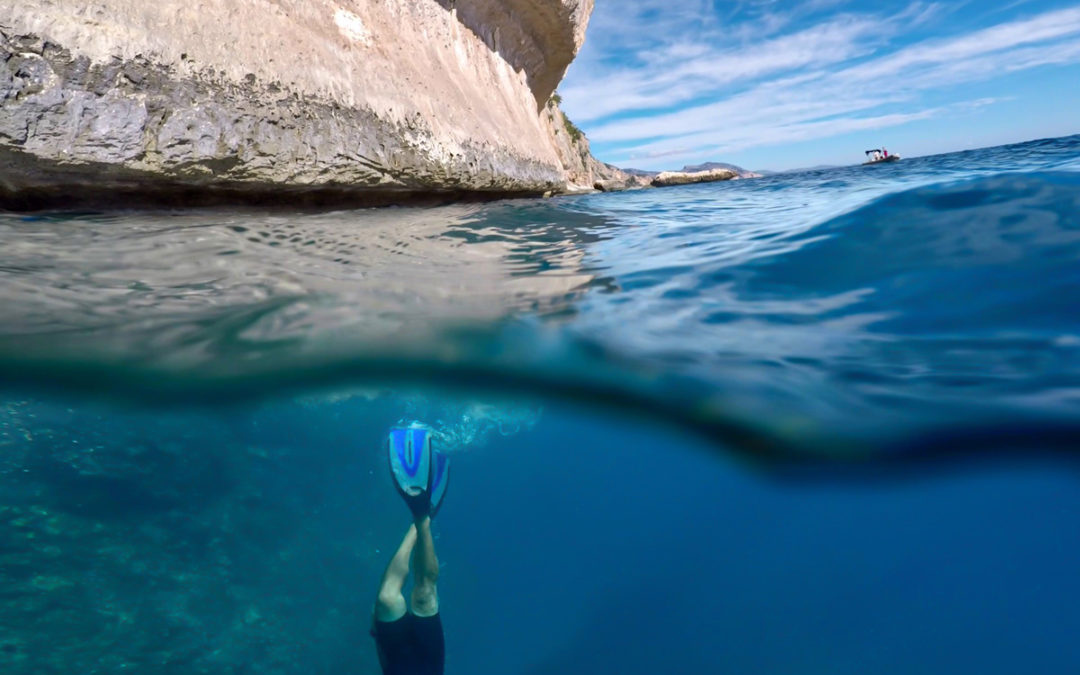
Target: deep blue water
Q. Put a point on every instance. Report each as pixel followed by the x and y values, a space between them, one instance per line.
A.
pixel 816 422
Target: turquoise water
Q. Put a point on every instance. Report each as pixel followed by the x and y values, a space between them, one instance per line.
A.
pixel 815 422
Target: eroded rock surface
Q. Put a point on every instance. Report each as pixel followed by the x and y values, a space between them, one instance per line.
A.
pixel 248 97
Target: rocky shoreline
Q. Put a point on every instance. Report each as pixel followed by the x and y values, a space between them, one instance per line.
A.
pixel 429 100
pixel 643 179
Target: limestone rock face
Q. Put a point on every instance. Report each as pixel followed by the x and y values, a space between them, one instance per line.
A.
pixel 667 178
pixel 583 171
pixel 276 96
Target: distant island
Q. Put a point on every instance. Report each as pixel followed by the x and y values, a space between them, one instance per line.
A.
pixel 709 166
pixel 698 168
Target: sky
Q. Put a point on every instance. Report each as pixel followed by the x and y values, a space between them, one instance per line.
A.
pixel 783 84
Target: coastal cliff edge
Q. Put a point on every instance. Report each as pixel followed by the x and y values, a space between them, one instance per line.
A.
pixel 367 100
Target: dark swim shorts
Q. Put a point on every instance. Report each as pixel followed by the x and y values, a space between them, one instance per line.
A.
pixel 412 645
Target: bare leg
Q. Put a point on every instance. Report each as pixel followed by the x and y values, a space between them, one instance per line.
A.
pixel 390 605
pixel 425 597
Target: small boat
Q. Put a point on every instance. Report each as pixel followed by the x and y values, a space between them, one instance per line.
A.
pixel 880 156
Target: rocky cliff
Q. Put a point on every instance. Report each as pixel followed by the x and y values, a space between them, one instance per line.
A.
pixel 583 171
pixel 263 98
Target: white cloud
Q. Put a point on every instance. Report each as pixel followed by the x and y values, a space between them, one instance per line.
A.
pixel 824 80
pixel 1046 27
pixel 682 71
pixel 740 137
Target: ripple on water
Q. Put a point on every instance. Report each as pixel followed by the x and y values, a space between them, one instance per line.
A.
pixel 868 304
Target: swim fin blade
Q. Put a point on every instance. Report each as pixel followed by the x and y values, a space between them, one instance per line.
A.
pixel 440 478
pixel 409 452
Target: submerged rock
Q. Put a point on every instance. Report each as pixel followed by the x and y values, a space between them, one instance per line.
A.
pixel 240 99
pixel 667 178
pixel 187 542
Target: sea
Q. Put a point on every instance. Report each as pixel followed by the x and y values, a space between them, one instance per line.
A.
pixel 816 422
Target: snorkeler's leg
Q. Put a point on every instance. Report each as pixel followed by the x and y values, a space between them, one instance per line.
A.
pixel 425 598
pixel 390 604
pixel 429 642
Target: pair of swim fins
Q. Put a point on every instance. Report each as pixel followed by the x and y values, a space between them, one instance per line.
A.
pixel 420 473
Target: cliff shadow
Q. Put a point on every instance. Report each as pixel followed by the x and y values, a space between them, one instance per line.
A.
pixel 532 37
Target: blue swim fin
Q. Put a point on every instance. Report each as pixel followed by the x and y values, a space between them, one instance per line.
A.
pixel 440 478
pixel 409 451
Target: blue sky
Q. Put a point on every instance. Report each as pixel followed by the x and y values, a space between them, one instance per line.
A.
pixel 779 84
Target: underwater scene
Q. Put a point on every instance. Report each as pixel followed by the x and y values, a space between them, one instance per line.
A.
pixel 816 422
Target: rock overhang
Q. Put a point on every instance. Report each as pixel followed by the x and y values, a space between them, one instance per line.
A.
pixel 372 96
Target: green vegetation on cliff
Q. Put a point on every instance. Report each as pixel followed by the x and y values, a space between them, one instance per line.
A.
pixel 572 129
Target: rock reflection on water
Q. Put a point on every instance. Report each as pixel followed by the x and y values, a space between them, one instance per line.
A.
pixel 170 286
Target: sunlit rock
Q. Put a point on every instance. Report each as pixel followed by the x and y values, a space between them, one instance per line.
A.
pixel 239 98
